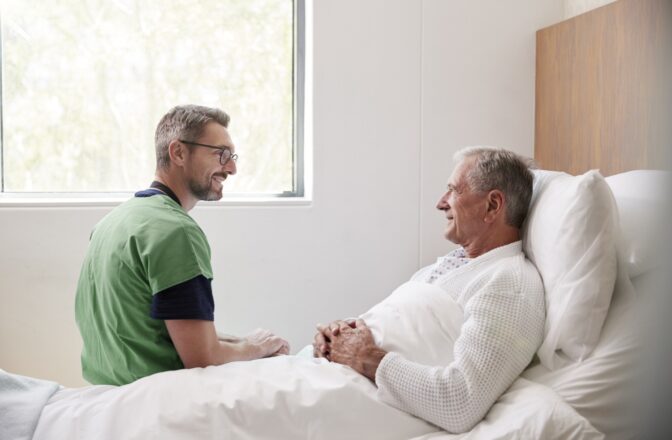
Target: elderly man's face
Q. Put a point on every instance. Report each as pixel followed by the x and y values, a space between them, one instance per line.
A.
pixel 465 209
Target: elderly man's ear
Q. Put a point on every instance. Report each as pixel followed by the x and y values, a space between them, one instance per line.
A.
pixel 495 207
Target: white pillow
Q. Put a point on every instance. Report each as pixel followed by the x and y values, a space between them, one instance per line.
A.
pixel 644 208
pixel 600 388
pixel 570 236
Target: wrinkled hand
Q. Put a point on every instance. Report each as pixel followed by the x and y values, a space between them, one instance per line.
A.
pixel 355 347
pixel 325 333
pixel 267 343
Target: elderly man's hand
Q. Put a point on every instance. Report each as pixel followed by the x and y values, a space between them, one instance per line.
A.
pixel 325 333
pixel 354 346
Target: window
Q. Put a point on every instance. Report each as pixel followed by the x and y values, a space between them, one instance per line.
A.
pixel 85 83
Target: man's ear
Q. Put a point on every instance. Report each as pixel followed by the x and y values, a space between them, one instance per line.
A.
pixel 177 152
pixel 495 201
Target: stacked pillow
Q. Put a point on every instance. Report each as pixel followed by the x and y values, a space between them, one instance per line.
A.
pixel 600 387
pixel 570 235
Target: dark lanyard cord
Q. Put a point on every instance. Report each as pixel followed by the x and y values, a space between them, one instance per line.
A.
pixel 163 188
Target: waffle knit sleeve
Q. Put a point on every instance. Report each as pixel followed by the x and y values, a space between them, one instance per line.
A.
pixel 503 327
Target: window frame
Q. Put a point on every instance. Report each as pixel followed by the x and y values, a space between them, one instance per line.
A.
pixel 297 196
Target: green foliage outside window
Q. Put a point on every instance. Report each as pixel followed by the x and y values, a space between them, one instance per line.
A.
pixel 85 82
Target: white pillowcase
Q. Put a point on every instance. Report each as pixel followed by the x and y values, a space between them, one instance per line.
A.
pixel 570 236
pixel 600 388
pixel 644 209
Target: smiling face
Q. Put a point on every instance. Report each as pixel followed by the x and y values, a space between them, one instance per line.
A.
pixel 465 209
pixel 204 174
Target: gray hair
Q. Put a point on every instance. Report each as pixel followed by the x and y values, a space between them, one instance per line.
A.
pixel 497 168
pixel 183 122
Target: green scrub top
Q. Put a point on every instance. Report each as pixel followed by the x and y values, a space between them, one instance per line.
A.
pixel 142 247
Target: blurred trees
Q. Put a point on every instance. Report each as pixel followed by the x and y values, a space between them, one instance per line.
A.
pixel 86 81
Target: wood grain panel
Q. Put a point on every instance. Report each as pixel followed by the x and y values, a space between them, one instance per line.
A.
pixel 603 89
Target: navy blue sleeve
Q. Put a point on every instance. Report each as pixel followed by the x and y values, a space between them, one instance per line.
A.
pixel 189 300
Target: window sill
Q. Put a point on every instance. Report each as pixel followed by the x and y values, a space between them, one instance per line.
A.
pixel 115 199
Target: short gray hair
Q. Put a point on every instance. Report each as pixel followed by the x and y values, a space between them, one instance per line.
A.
pixel 183 122
pixel 497 168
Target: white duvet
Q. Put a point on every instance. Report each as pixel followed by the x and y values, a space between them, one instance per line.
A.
pixel 293 397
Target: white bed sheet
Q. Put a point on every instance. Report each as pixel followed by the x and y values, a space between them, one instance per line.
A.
pixel 292 397
pixel 527 411
pixel 285 398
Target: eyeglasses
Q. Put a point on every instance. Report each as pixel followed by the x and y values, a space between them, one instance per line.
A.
pixel 225 154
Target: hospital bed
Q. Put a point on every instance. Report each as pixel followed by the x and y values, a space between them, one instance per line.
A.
pixel 595 240
pixel 597 264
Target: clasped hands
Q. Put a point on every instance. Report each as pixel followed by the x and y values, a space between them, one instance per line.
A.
pixel 349 342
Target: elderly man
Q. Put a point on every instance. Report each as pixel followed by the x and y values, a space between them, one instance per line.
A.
pixel 500 292
pixel 144 301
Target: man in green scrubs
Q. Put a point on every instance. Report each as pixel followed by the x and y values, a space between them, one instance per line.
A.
pixel 144 299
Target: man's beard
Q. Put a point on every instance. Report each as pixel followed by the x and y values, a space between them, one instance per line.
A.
pixel 203 191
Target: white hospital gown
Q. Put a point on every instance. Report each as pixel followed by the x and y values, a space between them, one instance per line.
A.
pixel 502 296
pixel 443 265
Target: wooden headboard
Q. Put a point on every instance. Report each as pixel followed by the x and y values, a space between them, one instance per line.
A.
pixel 604 89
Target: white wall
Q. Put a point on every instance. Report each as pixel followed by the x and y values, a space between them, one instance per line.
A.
pixel 477 89
pixel 398 86
pixel 576 7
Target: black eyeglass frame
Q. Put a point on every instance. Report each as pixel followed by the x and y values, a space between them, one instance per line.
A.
pixel 232 156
